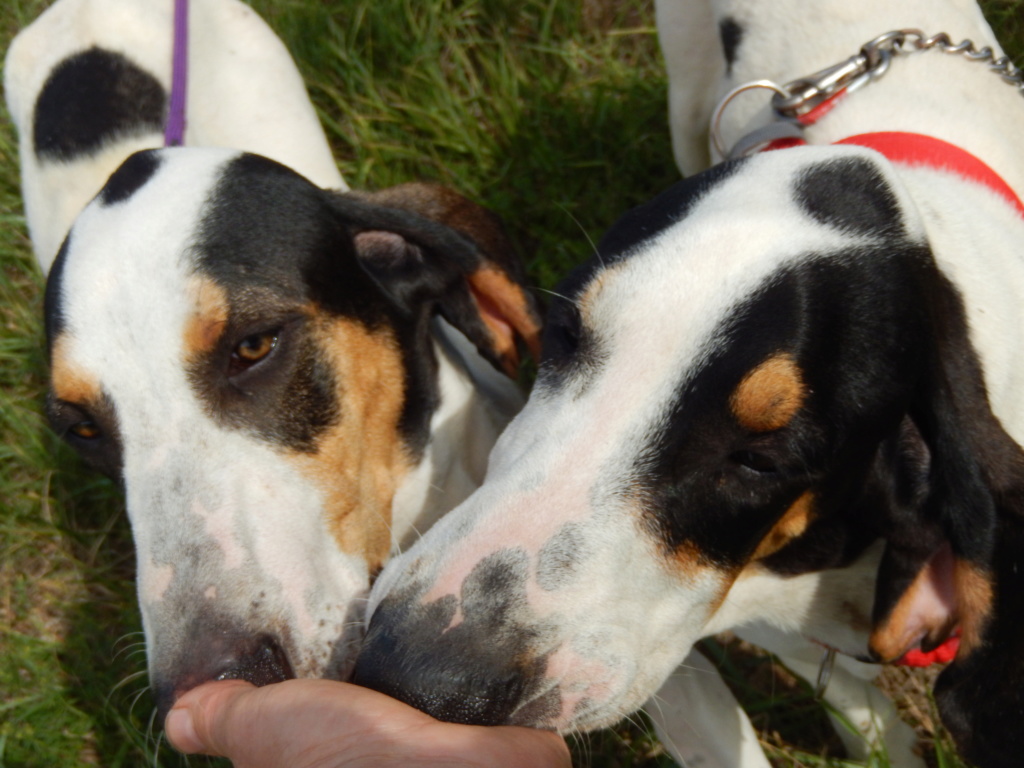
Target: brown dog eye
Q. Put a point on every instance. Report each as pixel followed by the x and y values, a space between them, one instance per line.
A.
pixel 254 348
pixel 85 430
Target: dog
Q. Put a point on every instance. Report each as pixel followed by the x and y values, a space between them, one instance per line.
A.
pixel 289 380
pixel 780 399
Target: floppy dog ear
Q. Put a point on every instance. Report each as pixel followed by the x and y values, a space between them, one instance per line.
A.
pixel 953 559
pixel 937 568
pixel 428 245
pixel 980 696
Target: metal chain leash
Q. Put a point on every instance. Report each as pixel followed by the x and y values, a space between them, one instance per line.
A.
pixel 872 61
pixel 798 97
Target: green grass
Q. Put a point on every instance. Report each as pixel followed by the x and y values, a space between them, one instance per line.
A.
pixel 550 112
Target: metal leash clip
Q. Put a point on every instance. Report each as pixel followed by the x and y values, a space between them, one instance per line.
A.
pixel 796 98
pixel 828 661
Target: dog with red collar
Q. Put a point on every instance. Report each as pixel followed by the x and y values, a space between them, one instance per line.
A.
pixel 780 399
pixel 288 379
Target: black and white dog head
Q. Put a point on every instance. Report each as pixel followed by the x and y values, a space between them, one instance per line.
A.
pixel 252 357
pixel 761 371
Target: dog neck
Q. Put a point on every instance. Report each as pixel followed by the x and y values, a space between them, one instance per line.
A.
pixel 928 92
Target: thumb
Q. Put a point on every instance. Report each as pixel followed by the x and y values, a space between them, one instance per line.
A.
pixel 280 724
pixel 322 722
pixel 202 720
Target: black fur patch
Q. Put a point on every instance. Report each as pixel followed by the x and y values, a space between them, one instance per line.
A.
pixel 104 453
pixel 276 243
pixel 836 316
pixel 269 241
pixel 731 34
pixel 130 177
pixel 479 671
pixel 851 195
pixel 91 99
pixel 53 307
pixel 981 698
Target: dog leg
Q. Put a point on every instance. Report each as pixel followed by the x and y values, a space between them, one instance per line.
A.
pixel 699 721
pixel 695 61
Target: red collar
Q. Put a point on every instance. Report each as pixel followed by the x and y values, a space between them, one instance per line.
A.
pixel 942 654
pixel 915 149
pixel 921 150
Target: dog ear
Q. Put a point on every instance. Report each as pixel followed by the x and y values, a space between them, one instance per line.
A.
pixel 429 246
pixel 980 696
pixel 954 559
pixel 937 569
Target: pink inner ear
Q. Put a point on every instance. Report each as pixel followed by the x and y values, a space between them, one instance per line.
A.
pixel 501 331
pixel 385 248
pixel 506 312
pixel 932 600
pixel 925 614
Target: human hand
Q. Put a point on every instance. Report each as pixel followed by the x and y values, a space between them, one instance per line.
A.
pixel 325 724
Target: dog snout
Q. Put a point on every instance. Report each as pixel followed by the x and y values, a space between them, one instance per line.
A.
pixel 222 655
pixel 460 670
pixel 440 681
pixel 442 690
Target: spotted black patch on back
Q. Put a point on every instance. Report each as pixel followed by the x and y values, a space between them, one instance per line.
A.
pixel 849 194
pixel 731 34
pixel 479 671
pixel 130 177
pixel 53 308
pixel 91 99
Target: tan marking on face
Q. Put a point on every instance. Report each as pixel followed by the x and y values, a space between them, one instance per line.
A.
pixel 973 588
pixel 770 395
pixel 791 525
pixel 361 460
pixel 507 313
pixel 208 319
pixel 690 564
pixel 68 381
pixel 688 561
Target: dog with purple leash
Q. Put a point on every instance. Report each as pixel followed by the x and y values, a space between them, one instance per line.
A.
pixel 288 379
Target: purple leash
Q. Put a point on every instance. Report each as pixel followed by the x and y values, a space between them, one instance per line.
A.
pixel 174 132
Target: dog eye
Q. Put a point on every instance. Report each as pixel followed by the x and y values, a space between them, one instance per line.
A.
pixel 756 462
pixel 85 430
pixel 252 349
pixel 563 335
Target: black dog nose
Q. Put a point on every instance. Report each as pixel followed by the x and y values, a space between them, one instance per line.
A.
pixel 467 673
pixel 478 658
pixel 435 685
pixel 221 655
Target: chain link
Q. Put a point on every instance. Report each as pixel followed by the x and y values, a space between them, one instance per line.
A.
pixel 872 61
